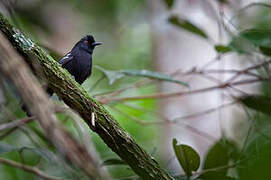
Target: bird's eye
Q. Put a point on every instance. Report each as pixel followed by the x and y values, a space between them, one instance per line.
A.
pixel 85 43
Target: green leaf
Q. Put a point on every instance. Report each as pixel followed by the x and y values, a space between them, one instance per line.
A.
pixel 45 154
pixel 222 49
pixel 248 40
pixel 241 45
pixel 169 3
pixel 185 24
pixel 114 75
pixel 219 155
pixel 259 37
pixel 180 177
pixel 265 50
pixel 215 177
pixel 188 158
pixel 258 103
pixel 111 75
pixel 223 1
pixel 113 161
pixel 152 75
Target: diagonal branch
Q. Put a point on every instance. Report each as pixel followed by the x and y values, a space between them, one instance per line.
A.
pixel 15 69
pixel 78 99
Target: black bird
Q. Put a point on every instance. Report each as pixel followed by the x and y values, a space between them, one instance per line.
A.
pixel 78 62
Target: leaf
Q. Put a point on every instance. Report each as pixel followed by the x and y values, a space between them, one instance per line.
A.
pixel 188 158
pixel 247 40
pixel 111 75
pixel 242 45
pixel 180 177
pixel 152 75
pixel 113 161
pixel 223 1
pixel 185 24
pixel 259 37
pixel 45 154
pixel 114 75
pixel 258 103
pixel 265 50
pixel 222 49
pixel 215 177
pixel 219 155
pixel 169 3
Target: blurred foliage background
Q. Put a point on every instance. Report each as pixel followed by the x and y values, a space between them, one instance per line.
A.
pixel 124 29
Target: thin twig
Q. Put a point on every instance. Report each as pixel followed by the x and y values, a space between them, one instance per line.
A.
pixel 216 169
pixel 2 136
pixel 174 94
pixel 202 113
pixel 27 168
pixel 247 7
pixel 119 91
pixel 16 123
pixel 136 119
pixel 186 126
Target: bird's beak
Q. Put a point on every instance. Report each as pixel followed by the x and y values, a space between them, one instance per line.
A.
pixel 96 43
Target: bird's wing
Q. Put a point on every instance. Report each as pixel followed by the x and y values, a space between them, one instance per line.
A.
pixel 66 59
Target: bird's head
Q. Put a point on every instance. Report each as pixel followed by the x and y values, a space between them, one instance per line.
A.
pixel 88 43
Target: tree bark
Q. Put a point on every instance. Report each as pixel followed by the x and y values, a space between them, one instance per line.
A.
pixel 60 81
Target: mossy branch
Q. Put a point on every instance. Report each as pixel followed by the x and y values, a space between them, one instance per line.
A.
pixel 78 99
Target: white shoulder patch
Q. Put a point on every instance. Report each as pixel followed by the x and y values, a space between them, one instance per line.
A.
pixel 66 58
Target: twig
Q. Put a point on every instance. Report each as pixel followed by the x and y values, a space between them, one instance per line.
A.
pixel 136 119
pixel 223 71
pixel 27 168
pixel 208 111
pixel 2 136
pixel 16 123
pixel 119 91
pixel 247 7
pixel 216 169
pixel 197 131
pixel 144 110
pixel 170 95
pixel 187 126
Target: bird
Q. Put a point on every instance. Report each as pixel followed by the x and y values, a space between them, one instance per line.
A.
pixel 78 62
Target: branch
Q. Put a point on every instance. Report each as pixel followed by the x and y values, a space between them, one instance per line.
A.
pixel 175 94
pixel 77 98
pixel 16 123
pixel 15 69
pixel 29 169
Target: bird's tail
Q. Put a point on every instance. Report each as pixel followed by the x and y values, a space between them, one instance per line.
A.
pixel 49 91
